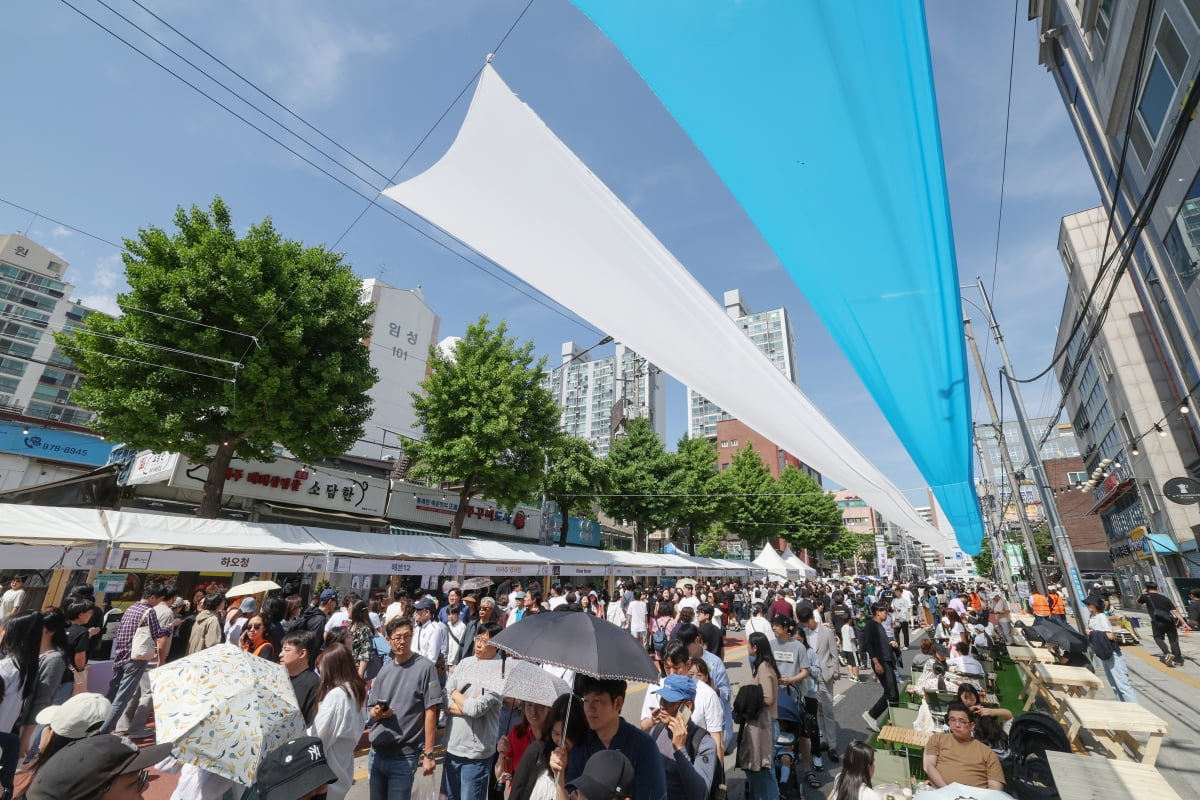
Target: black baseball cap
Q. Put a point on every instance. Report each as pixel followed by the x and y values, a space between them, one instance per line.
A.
pixel 84 767
pixel 294 769
pixel 608 775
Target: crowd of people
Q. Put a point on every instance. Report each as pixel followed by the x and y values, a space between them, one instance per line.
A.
pixel 399 669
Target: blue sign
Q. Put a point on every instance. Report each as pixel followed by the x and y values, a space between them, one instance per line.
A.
pixel 582 532
pixel 56 445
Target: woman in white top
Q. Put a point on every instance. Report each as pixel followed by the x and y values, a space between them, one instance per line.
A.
pixel 339 719
pixel 858 768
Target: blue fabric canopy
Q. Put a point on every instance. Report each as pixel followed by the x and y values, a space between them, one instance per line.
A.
pixel 821 119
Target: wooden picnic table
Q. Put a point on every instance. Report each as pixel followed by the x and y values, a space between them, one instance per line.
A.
pixel 1029 655
pixel 1096 778
pixel 892 734
pixel 1071 681
pixel 1113 724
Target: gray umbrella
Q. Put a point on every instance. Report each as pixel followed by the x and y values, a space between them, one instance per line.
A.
pixel 578 641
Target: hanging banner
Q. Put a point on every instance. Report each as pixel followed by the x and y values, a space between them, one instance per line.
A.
pixel 39 557
pixel 202 561
pixel 592 570
pixel 380 566
pixel 488 568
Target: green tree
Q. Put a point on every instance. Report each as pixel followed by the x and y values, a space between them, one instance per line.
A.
pixel 236 344
pixel 984 561
pixel 698 498
pixel 849 548
pixel 754 510
pixel 487 418
pixel 639 471
pixel 710 542
pixel 813 517
pixel 574 476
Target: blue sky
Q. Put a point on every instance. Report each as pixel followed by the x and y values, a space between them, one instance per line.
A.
pixel 100 138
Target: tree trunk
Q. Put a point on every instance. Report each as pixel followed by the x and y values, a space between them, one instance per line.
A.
pixel 564 526
pixel 214 484
pixel 464 497
pixel 691 537
pixel 638 547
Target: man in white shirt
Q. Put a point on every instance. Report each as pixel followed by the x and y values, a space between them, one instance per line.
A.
pixel 13 600
pixel 963 662
pixel 516 606
pixel 429 636
pixel 689 598
pixel 558 597
pixel 399 607
pixel 637 615
pixel 341 617
pixel 902 605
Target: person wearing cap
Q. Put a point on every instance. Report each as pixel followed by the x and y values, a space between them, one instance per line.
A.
pixel 706 709
pixel 314 617
pixel 689 753
pixel 517 611
pixel 603 700
pixel 78 718
pixel 96 768
pixel 608 775
pixel 296 770
pixel 430 638
pixel 235 620
pixel 1058 606
pixel 129 664
pixel 1003 612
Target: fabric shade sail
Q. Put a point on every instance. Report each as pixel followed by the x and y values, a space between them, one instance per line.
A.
pixel 821 119
pixel 511 190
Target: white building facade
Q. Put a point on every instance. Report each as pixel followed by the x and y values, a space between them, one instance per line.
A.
pixel 402 329
pixel 596 395
pixel 771 331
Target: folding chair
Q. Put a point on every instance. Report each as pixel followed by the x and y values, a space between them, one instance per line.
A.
pixel 891 767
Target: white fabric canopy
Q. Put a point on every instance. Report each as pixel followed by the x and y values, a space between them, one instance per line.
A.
pixel 21 524
pixel 775 566
pixel 511 190
pixel 164 532
pixel 789 557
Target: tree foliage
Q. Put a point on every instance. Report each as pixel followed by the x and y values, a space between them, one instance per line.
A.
pixel 813 517
pixel 698 495
pixel 574 476
pixel 850 548
pixel 236 344
pixel 754 510
pixel 487 418
pixel 639 471
pixel 983 560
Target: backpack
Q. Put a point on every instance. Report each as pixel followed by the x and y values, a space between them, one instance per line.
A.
pixel 379 647
pixel 659 639
pixel 748 704
pixel 1033 734
pixel 717 789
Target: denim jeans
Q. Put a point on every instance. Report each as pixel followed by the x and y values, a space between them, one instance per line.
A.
pixel 121 691
pixel 465 778
pixel 391 777
pixel 1118 678
pixel 761 784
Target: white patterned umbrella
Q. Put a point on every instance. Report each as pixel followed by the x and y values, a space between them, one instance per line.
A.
pixel 223 708
pixel 525 680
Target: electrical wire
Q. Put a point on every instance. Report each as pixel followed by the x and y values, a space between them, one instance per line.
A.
pixel 371 198
pixel 57 222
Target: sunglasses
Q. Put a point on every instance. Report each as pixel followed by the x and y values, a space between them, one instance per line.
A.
pixel 253 627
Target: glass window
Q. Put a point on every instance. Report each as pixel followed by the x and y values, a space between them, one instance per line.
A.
pixel 1166 70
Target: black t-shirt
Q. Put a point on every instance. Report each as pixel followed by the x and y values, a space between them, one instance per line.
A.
pixel 305 686
pixel 78 641
pixel 714 642
pixel 1193 612
pixel 1154 600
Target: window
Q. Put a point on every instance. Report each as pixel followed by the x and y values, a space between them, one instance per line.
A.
pixel 1077 477
pixel 1166 71
pixel 1148 496
pixel 1104 20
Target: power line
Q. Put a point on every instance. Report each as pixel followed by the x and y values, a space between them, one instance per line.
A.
pixel 57 222
pixel 324 171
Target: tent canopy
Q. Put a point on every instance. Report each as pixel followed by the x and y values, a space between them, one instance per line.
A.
pixel 791 559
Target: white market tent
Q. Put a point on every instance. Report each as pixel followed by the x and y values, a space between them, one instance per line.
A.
pixel 37 537
pixel 793 560
pixel 777 569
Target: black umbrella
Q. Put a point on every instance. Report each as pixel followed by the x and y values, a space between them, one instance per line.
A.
pixel 1067 639
pixel 922 585
pixel 581 642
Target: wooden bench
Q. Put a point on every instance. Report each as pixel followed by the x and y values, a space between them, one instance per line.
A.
pixel 1053 680
pixel 892 734
pixel 1113 724
pixel 1094 778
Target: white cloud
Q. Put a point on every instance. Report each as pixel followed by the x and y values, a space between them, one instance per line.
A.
pixel 98 289
pixel 106 303
pixel 60 232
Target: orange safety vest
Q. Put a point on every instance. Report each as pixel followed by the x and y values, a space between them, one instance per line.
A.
pixel 976 603
pixel 1057 606
pixel 1039 605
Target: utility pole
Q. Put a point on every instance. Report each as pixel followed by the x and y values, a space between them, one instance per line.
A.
pixel 1031 556
pixel 1058 533
pixel 996 518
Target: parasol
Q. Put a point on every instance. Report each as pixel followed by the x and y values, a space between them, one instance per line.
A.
pixel 580 642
